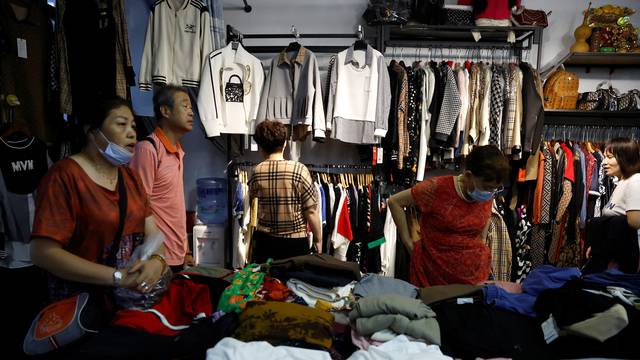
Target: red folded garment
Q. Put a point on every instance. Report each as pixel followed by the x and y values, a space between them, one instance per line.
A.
pixel 184 302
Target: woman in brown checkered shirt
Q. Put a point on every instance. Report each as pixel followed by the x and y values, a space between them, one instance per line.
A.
pixel 287 200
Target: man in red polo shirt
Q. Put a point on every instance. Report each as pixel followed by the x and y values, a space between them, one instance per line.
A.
pixel 159 163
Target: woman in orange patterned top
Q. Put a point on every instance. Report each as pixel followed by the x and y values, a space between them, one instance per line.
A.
pixel 78 217
pixel 455 218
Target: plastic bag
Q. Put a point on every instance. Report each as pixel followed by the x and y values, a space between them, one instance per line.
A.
pixel 133 299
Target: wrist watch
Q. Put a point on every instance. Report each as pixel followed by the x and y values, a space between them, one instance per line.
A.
pixel 117 277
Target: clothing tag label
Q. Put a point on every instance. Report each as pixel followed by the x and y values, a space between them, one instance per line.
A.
pixel 550 329
pixel 375 243
pixel 22 48
pixel 380 158
pixel 464 300
pixel 254 145
pixel 374 158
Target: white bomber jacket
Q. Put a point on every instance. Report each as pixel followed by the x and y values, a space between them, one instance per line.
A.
pixel 177 42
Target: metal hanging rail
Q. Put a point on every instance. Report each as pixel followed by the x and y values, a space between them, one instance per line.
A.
pixel 461 37
pixel 312 167
pixel 234 34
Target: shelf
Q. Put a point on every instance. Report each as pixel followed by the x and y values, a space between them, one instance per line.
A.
pixel 448 32
pixel 603 59
pixel 592 118
pixel 416 35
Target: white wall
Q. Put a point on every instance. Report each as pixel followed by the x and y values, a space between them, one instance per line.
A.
pixel 276 16
pixel 342 16
pixel 558 38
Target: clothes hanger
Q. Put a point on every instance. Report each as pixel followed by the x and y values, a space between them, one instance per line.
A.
pixel 235 43
pixel 450 61
pixel 294 45
pixel 16 132
pixel 360 44
pixel 416 63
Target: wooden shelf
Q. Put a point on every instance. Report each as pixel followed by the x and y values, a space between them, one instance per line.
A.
pixel 592 118
pixel 603 59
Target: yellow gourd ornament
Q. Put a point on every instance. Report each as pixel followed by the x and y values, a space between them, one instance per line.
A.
pixel 582 33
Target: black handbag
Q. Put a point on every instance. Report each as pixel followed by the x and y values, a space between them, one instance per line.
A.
pixel 458 15
pixel 234 92
pixel 429 12
pixel 629 101
pixel 387 12
pixel 603 98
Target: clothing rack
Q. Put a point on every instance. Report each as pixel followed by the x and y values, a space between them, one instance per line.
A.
pixel 234 34
pixel 598 118
pixel 339 168
pixel 452 49
pixel 327 168
pixel 462 37
pixel 497 54
pixel 232 176
pixel 597 133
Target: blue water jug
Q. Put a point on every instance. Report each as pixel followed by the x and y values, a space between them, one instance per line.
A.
pixel 212 200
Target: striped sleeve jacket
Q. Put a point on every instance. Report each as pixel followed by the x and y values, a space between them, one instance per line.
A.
pixel 177 42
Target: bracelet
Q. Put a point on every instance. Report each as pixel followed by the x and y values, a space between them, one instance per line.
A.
pixel 161 259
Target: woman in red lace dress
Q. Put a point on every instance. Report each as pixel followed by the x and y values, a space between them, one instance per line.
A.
pixel 455 218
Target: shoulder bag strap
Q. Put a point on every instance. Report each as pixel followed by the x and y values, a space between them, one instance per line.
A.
pixel 122 210
pixel 155 147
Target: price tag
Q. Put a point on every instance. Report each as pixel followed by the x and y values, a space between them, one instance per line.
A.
pixel 380 155
pixel 22 48
pixel 254 145
pixel 550 329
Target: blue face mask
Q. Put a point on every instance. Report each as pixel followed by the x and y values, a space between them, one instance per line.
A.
pixel 481 196
pixel 114 153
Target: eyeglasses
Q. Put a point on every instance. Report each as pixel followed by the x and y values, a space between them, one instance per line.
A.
pixel 495 191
